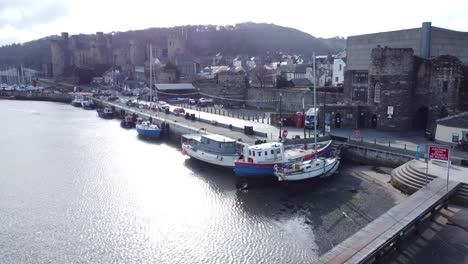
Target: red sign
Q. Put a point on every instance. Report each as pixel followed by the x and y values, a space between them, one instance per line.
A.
pixel 357 133
pixel 285 133
pixel 439 153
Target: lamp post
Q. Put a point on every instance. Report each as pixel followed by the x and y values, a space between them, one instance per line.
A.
pixel 280 114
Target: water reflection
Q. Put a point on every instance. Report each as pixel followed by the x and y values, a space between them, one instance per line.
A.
pixel 77 188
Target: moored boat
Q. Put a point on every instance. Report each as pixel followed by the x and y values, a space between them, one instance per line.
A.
pixel 105 113
pixel 214 149
pixel 260 160
pixel 127 122
pixel 77 100
pixel 147 129
pixel 88 105
pixel 322 167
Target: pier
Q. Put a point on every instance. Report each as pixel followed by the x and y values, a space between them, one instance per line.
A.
pixel 179 125
pixel 386 232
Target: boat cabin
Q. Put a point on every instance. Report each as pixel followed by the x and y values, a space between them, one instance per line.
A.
pixel 264 153
pixel 215 144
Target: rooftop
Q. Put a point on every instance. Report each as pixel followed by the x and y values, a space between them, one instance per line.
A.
pixel 460 120
pixel 174 86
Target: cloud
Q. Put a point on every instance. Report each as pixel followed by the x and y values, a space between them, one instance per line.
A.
pixel 23 14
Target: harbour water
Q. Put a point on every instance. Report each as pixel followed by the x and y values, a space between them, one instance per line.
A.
pixel 75 188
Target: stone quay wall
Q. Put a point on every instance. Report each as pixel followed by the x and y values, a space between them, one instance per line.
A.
pixel 267 98
pixel 62 98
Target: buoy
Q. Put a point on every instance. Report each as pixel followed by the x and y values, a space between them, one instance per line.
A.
pixel 184 152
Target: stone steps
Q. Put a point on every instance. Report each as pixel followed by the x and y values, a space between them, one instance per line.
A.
pixel 409 179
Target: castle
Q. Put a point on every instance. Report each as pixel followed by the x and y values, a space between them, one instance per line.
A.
pixel 98 52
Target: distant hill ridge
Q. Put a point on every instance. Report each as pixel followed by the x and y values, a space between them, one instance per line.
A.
pixel 203 40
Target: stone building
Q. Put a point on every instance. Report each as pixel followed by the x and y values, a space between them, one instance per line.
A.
pixel 228 88
pixel 78 51
pixel 407 79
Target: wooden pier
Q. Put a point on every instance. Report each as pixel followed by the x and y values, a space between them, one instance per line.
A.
pixel 386 232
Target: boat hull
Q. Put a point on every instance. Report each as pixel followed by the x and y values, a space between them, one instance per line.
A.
pixel 247 169
pixel 125 124
pixel 218 160
pixel 106 115
pixel 149 133
pixel 329 170
pixel 76 104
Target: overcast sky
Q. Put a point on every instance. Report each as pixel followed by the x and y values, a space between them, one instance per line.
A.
pixel 24 20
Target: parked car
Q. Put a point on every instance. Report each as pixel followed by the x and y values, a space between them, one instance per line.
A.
pixel 178 110
pixel 193 101
pixel 112 98
pixel 205 102
pixel 162 106
pixel 131 103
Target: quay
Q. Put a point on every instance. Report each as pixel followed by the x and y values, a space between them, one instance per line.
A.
pixel 179 126
pixel 389 230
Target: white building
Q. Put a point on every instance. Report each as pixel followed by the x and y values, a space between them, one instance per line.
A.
pixel 452 129
pixel 339 64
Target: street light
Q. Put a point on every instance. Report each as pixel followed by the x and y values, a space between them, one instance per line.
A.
pixel 281 117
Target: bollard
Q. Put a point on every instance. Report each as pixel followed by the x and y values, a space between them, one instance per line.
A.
pixel 375 141
pixel 405 146
pixel 389 143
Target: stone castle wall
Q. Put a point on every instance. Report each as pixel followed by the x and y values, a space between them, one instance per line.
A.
pixel 392 72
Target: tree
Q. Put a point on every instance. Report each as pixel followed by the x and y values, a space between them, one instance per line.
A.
pixel 281 81
pixel 261 74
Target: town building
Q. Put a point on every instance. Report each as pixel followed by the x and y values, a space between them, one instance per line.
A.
pixel 407 79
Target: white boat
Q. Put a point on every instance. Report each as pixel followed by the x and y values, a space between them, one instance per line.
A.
pixel 77 100
pixel 214 149
pixel 322 167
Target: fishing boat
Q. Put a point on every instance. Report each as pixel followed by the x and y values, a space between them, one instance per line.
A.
pixel 147 129
pixel 105 113
pixel 322 167
pixel 127 122
pixel 77 100
pixel 214 149
pixel 260 160
pixel 88 105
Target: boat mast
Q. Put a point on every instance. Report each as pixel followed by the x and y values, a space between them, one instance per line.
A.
pixel 151 73
pixel 315 105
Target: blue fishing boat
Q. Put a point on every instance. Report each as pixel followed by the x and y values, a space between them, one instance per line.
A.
pixel 260 160
pixel 147 129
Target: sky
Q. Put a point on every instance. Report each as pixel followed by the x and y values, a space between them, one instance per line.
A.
pixel 25 20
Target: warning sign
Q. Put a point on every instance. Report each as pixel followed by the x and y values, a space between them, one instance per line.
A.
pixel 439 153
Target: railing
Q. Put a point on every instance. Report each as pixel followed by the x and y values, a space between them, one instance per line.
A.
pixel 385 145
pixel 239 114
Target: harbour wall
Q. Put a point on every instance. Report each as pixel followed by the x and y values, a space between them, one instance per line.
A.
pixel 51 97
pixel 374 156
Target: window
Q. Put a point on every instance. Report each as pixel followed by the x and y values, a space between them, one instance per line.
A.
pixel 272 152
pixel 250 153
pixel 377 92
pixel 340 67
pixel 259 153
pixel 445 86
pixel 278 151
pixel 266 153
pixel 336 79
pixel 253 153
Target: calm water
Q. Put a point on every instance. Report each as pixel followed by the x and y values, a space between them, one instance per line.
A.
pixel 75 188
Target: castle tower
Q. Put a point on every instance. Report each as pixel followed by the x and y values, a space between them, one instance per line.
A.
pixel 60 55
pixel 176 45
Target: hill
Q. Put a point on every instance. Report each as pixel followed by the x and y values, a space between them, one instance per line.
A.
pixel 203 40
